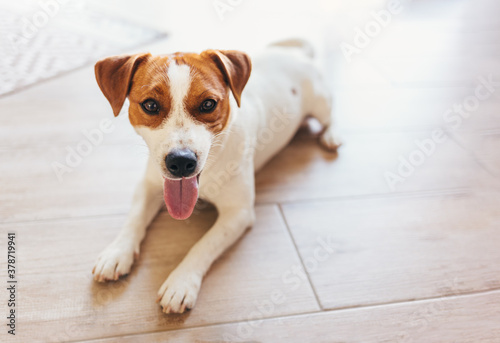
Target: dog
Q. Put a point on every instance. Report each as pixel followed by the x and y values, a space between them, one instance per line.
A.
pixel 204 117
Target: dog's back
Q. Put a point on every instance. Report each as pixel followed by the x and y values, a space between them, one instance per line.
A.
pixel 301 44
pixel 285 87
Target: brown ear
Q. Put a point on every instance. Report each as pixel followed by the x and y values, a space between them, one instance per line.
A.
pixel 114 77
pixel 236 68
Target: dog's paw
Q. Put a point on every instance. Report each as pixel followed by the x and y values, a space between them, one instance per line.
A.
pixel 329 140
pixel 115 261
pixel 179 292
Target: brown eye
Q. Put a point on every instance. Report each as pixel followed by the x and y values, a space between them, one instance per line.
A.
pixel 150 107
pixel 208 106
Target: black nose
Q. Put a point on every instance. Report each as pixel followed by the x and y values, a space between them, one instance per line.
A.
pixel 181 163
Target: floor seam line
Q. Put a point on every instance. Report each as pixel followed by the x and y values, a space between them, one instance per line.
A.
pixel 471 153
pixel 389 195
pixel 291 315
pixel 283 218
pixel 409 194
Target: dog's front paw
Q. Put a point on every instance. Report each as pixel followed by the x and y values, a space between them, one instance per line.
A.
pixel 179 292
pixel 115 261
pixel 329 140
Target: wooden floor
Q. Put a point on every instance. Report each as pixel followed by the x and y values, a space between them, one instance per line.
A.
pixel 339 252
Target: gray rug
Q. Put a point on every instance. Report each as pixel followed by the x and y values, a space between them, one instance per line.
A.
pixel 42 39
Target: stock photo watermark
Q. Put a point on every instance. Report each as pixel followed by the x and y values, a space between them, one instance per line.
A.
pixel 76 154
pixel 364 35
pixel 422 318
pixel 31 25
pixel 292 278
pixel 221 7
pixel 11 283
pixel 265 136
pixel 92 306
pixel 454 116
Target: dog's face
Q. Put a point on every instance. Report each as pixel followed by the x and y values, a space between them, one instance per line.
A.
pixel 178 104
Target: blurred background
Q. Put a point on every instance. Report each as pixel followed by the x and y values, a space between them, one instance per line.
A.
pixel 409 206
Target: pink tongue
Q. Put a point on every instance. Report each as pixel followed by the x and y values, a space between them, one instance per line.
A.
pixel 180 196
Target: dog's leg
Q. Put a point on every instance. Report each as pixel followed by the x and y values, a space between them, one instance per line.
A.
pixel 236 213
pixel 322 111
pixel 118 257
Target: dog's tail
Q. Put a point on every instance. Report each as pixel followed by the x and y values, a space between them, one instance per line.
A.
pixel 297 43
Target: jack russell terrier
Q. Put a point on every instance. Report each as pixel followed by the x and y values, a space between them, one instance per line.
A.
pixel 190 108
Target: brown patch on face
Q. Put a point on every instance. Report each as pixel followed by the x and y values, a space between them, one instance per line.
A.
pixel 150 82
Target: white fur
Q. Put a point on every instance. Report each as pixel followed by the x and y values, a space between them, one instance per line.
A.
pixel 180 130
pixel 269 117
pixel 179 76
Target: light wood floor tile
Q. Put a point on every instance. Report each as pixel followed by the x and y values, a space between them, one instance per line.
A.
pixel 400 109
pixel 60 302
pixel 485 117
pixel 425 46
pixel 484 146
pixel 467 319
pixel 480 15
pixel 416 71
pixel 102 183
pixel 399 249
pixel 304 171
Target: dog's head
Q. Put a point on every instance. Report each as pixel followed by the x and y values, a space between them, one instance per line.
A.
pixel 178 104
